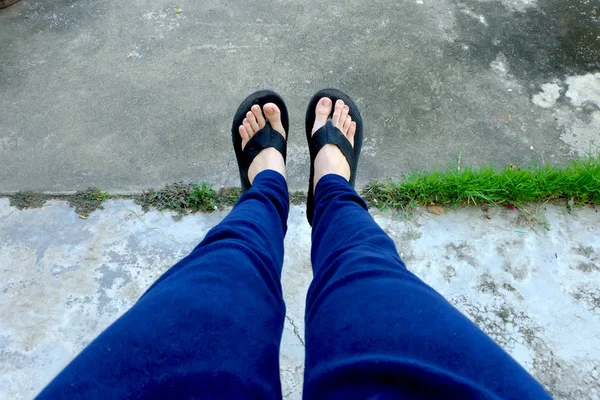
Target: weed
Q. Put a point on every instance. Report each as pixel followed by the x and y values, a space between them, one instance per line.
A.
pixel 23 200
pixel 297 198
pixel 227 197
pixel 179 197
pixel 202 198
pixel 87 201
pixel 172 197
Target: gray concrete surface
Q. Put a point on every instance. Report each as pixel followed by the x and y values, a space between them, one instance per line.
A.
pixel 131 95
pixel 534 290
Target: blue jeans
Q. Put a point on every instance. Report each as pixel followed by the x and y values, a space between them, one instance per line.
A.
pixel 210 327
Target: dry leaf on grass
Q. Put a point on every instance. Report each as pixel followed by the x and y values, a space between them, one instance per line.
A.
pixel 436 210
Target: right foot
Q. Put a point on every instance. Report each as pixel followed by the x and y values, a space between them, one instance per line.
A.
pixel 269 158
pixel 330 159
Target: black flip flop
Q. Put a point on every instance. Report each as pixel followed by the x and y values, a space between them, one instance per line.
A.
pixel 330 134
pixel 264 138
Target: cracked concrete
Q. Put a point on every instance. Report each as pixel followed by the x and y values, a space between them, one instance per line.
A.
pixel 535 291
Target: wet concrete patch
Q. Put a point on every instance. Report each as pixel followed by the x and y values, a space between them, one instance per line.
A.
pixel 552 39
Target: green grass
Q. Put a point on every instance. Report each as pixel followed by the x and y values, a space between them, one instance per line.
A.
pixel 202 197
pixel 579 181
pixel 180 197
pixel 87 201
pixel 576 183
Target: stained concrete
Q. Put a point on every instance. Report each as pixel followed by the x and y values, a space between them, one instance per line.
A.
pixel 131 95
pixel 138 94
pixel 534 287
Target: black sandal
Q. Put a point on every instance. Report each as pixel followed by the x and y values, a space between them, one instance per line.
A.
pixel 330 134
pixel 264 138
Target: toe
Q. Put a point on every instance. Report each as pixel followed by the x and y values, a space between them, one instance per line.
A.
pixel 322 113
pixel 258 114
pixel 274 115
pixel 343 117
pixel 252 121
pixel 351 132
pixel 346 125
pixel 337 113
pixel 248 127
pixel 244 135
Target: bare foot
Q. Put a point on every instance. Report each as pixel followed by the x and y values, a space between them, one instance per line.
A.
pixel 330 159
pixel 269 158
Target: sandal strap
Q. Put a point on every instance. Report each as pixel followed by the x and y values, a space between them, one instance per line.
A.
pixel 264 138
pixel 329 134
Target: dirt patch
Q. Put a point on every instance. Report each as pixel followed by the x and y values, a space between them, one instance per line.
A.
pixel 591 262
pixel 448 273
pixel 587 267
pixel 487 285
pixel 23 200
pixel 509 327
pixel 463 252
pixel 297 198
pixel 586 251
pixel 590 296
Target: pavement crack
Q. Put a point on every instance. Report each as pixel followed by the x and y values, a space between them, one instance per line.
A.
pixel 146 224
pixel 296 332
pixel 228 171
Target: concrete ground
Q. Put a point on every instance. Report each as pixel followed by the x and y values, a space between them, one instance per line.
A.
pixel 136 94
pixel 534 290
pixel 131 95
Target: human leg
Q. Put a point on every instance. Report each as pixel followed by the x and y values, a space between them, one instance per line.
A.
pixel 211 326
pixel 374 329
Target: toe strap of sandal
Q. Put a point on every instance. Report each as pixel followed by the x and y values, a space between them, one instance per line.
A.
pixel 265 138
pixel 329 134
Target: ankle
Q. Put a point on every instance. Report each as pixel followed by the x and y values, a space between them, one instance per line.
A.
pixel 268 159
pixel 330 160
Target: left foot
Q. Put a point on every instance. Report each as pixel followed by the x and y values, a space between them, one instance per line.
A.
pixel 255 120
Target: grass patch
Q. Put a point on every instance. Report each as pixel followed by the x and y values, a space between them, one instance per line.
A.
pixel 578 183
pixel 180 197
pixel 87 201
pixel 227 197
pixel 202 198
pixel 23 200
pixel 298 198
